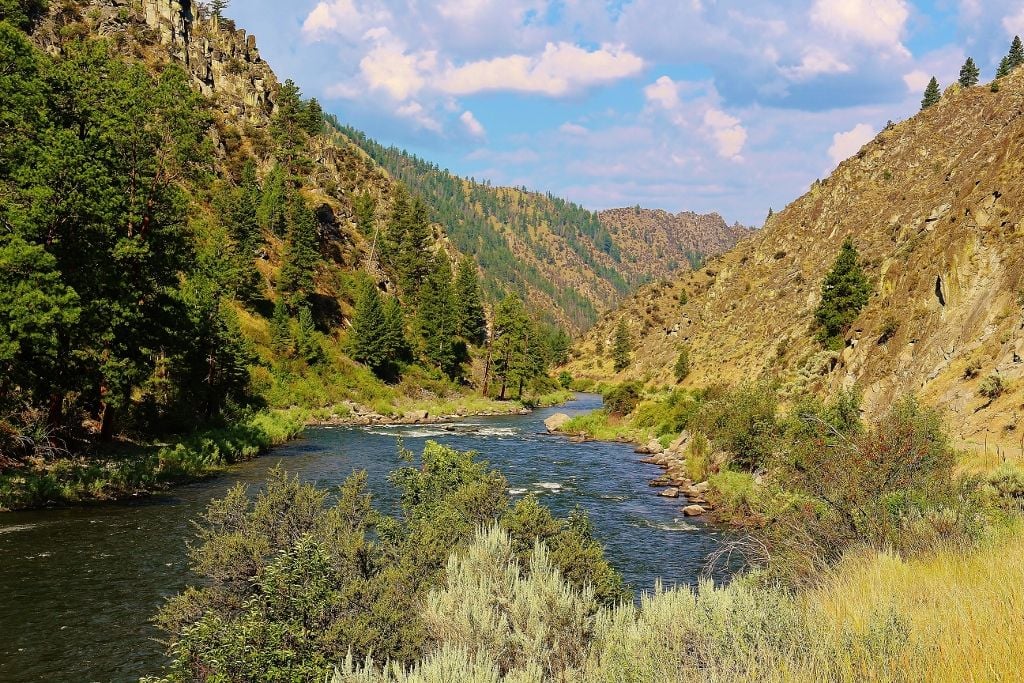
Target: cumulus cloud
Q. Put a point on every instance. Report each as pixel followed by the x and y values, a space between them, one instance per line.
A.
pixel 342 17
pixel 418 114
pixel 570 128
pixel 846 144
pixel 729 135
pixel 561 69
pixel 473 126
pixel 1014 23
pixel 388 67
pixel 916 80
pixel 815 62
pixel 663 93
pixel 878 23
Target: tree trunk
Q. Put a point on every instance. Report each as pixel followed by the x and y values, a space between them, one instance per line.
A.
pixel 106 414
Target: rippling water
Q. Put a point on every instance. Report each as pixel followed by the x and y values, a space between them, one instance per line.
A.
pixel 78 586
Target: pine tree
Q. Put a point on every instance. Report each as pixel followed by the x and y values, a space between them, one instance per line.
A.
pixel 510 339
pixel 623 346
pixel 396 344
pixel 306 345
pixel 281 329
pixel 843 294
pixel 1016 56
pixel 217 8
pixel 272 214
pixel 969 74
pixel 681 370
pixel 368 339
pixel 301 253
pixel 409 243
pixel 932 95
pixel 471 323
pixel 437 320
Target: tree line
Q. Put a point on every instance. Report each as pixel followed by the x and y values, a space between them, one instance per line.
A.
pixel 970 74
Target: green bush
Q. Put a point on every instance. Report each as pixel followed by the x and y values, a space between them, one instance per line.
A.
pixel 623 398
pixel 743 422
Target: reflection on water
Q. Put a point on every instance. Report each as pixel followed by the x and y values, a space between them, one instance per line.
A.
pixel 80 585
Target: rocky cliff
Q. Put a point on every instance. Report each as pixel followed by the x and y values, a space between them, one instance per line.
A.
pixel 934 204
pixel 657 243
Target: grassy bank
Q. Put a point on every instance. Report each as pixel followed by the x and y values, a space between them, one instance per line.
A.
pixel 131 469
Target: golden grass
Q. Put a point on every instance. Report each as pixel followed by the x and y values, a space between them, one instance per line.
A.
pixel 962 608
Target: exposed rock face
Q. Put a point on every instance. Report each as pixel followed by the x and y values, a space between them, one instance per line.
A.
pixel 658 242
pixel 935 206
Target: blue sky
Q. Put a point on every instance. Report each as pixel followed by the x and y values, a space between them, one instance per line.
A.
pixel 697 105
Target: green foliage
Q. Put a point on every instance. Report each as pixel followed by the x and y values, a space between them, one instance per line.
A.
pixel 467 299
pixel 623 399
pixel 301 255
pixel 843 294
pixel 743 422
pixel 517 349
pixel 623 346
pixel 272 212
pixel 217 7
pixel 932 94
pixel 969 74
pixel 368 338
pixel 681 370
pixel 22 13
pixel 565 379
pixel 1015 57
pixel 293 578
pixel 438 319
pixel 992 387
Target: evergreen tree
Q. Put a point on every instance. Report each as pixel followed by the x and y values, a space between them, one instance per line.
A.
pixel 281 329
pixel 272 214
pixel 437 319
pixel 932 95
pixel 471 322
pixel 217 8
pixel 843 294
pixel 558 346
pixel 396 345
pixel 365 208
pixel 301 254
pixel 1016 56
pixel 681 370
pixel 306 344
pixel 969 74
pixel 510 340
pixel 409 242
pixel 623 346
pixel 368 338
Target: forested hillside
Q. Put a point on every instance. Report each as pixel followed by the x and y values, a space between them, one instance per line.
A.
pixel 570 262
pixel 180 248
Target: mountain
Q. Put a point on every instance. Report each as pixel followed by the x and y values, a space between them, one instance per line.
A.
pixel 934 206
pixel 569 262
pixel 655 243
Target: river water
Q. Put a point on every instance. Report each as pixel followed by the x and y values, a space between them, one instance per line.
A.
pixel 78 586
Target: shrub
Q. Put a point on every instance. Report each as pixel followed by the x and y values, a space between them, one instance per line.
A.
pixel 681 369
pixel 565 379
pixel 992 387
pixel 743 422
pixel 623 399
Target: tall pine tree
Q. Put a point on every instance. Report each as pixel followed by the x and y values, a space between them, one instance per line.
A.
pixel 437 320
pixel 368 338
pixel 511 330
pixel 932 95
pixel 301 254
pixel 623 346
pixel 1016 56
pixel 843 294
pixel 471 322
pixel 969 74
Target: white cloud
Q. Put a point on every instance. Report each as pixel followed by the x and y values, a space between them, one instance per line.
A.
pixel 343 17
pixel 418 114
pixel 845 145
pixel 388 67
pixel 879 23
pixel 662 93
pixel 916 80
pixel 561 69
pixel 1014 23
pixel 570 128
pixel 730 136
pixel 473 126
pixel 816 61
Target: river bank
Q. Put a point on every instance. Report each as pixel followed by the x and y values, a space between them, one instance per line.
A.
pixel 131 470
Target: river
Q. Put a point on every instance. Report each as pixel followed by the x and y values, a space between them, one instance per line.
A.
pixel 79 585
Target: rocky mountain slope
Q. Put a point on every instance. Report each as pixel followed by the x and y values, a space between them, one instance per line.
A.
pixel 934 205
pixel 655 243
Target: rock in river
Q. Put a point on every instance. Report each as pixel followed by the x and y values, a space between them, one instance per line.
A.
pixel 556 422
pixel 693 511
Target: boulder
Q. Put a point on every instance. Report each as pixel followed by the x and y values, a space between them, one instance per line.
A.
pixel 556 422
pixel 653 447
pixel 701 488
pixel 418 416
pixel 670 493
pixel 693 511
pixel 679 445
